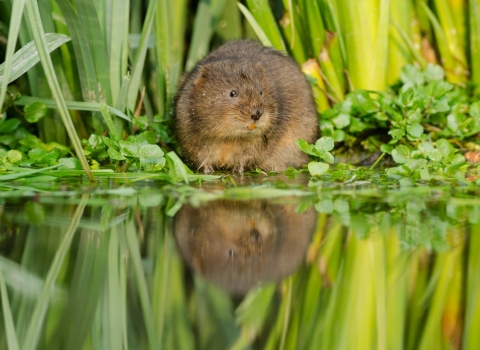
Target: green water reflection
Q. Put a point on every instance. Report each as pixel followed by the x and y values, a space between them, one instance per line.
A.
pixel 146 268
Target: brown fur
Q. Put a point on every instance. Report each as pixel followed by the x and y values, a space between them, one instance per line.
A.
pixel 237 244
pixel 258 128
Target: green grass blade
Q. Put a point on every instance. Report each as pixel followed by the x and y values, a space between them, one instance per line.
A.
pixel 332 16
pixel 263 15
pixel 400 35
pixel 139 61
pixel 294 34
pixel 83 53
pixel 206 20
pixel 453 68
pixel 411 46
pixel 40 309
pixel 133 248
pixel 359 14
pixel 88 17
pixel 23 173
pixel 177 168
pixel 474 28
pixel 111 125
pixel 170 26
pixel 16 19
pixel 117 41
pixel 12 340
pixel 380 59
pixel 471 340
pixel 255 26
pixel 39 36
pixel 115 304
pixel 452 33
pixel 74 105
pixel 316 30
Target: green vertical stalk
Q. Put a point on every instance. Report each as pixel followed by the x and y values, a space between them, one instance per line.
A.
pixel 471 340
pixel 366 67
pixel 312 70
pixel 315 28
pixel 399 53
pixel 40 309
pixel 452 56
pixel 446 15
pixel 16 19
pixel 291 28
pixel 262 13
pixel 206 19
pixel 444 271
pixel 170 29
pixel 474 28
pixel 398 273
pixel 333 82
pixel 139 60
pixel 117 29
pixel 12 339
pixel 39 37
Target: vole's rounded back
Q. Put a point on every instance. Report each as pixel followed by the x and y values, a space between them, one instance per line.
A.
pixel 243 107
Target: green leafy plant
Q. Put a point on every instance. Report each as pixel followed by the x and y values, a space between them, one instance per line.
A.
pixel 320 151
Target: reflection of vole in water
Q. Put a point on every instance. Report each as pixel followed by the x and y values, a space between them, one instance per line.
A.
pixel 237 244
pixel 244 106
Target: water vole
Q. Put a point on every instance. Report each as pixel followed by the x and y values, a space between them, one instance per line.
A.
pixel 243 107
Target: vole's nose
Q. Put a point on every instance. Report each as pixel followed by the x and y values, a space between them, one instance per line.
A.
pixel 257 113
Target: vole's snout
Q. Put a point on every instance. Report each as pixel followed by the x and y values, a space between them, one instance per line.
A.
pixel 257 113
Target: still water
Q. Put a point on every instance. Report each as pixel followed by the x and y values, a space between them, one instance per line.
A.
pixel 270 265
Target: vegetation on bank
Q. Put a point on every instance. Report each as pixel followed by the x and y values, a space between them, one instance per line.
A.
pixel 400 79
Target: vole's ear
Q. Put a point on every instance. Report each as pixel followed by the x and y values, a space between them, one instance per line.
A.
pixel 202 72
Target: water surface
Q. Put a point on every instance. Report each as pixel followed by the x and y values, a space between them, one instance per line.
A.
pixel 269 263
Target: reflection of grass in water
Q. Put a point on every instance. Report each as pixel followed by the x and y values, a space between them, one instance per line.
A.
pixel 123 286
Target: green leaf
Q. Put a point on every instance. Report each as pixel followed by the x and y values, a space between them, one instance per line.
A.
pixel 342 120
pixel 415 130
pixel 325 144
pixel 397 133
pixel 433 72
pixel 474 110
pixel 114 154
pixel 70 163
pixel 9 125
pixel 318 168
pixel 305 147
pixel 412 75
pixel 109 142
pixel 324 206
pixel 445 147
pixel 14 156
pixel 150 151
pixel 142 122
pixel 35 111
pixel 96 142
pixel 401 154
pixel 438 89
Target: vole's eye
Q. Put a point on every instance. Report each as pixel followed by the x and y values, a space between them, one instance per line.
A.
pixel 261 93
pixel 233 93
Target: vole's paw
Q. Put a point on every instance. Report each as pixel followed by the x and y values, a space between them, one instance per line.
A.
pixel 207 169
pixel 238 168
